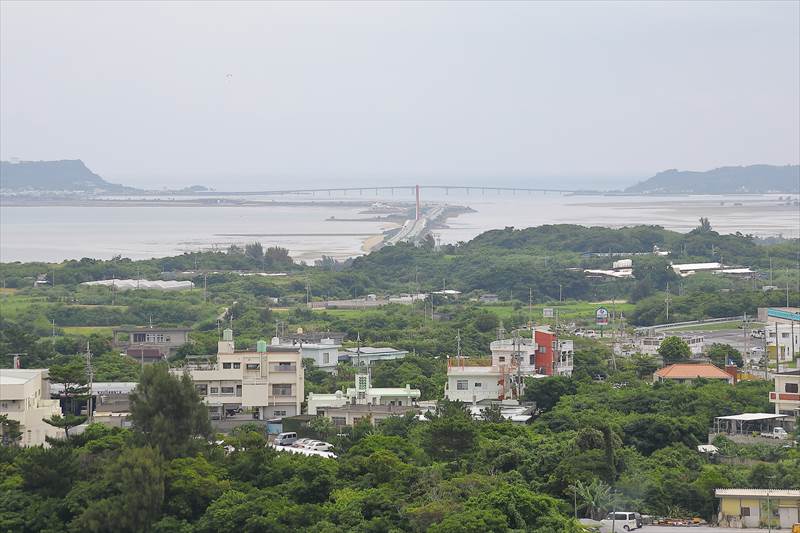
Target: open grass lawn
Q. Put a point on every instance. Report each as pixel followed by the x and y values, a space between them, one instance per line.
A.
pixel 12 304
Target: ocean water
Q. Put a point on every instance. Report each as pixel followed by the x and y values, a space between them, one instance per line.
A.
pixel 54 233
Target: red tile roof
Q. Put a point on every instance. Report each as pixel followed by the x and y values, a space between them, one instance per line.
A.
pixel 692 371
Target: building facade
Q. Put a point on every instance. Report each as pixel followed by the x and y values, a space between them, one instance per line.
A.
pixel 325 353
pixel 268 383
pixel 361 401
pixel 650 345
pixel 754 508
pixel 512 361
pixel 150 344
pixel 786 396
pixel 783 341
pixel 25 397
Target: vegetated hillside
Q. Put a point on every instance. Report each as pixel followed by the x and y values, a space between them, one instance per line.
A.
pixel 64 175
pixel 750 179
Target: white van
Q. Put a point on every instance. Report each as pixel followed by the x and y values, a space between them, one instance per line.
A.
pixel 620 521
pixel 285 439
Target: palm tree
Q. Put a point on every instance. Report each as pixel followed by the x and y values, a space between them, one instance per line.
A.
pixel 595 497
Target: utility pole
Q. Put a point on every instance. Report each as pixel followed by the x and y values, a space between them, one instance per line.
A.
pixel 89 409
pixel 667 300
pixel 530 306
pixel 559 293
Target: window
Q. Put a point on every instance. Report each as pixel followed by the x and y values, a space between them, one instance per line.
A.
pixel 227 390
pixel 745 511
pixel 139 337
pixel 339 421
pixel 478 384
pixel 282 389
pixel 532 359
pixel 202 390
pixel 226 365
pixel 237 365
pixel 278 413
pixel 462 384
pixel 252 366
pixel 326 358
pixel 362 382
pixel 362 395
pixel 214 390
pixel 502 358
pixel 542 349
pixel 791 387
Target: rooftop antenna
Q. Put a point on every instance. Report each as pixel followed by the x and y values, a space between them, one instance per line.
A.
pixel 151 321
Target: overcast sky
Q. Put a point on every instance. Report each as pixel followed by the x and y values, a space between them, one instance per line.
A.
pixel 261 95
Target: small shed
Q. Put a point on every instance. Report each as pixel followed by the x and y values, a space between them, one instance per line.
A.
pixel 747 423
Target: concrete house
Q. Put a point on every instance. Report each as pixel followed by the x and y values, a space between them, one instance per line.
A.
pixel 266 383
pixel 362 401
pixel 150 344
pixel 752 508
pixel 25 397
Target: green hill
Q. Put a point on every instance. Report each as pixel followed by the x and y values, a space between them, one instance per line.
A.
pixel 723 180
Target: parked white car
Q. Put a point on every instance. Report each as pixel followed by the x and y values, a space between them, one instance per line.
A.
pixel 318 446
pixel 619 521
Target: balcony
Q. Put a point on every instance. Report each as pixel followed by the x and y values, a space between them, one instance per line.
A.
pixel 784 397
pixel 283 368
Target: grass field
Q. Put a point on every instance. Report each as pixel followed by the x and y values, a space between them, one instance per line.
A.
pixel 12 304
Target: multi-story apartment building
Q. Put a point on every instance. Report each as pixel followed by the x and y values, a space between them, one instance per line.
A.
pixel 268 382
pixel 512 361
pixel 25 397
pixel 786 396
pixel 650 345
pixel 783 341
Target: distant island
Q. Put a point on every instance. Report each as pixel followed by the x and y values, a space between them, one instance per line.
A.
pixel 70 175
pixel 757 179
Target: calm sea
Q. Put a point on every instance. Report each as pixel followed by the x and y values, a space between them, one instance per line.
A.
pixel 55 233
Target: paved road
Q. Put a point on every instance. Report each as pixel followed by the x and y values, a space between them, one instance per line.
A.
pixel 700 529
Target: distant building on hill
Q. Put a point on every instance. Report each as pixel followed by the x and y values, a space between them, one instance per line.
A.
pixel 149 344
pixel 368 355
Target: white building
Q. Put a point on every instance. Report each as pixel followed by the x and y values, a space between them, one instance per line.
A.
pixel 783 340
pixel 25 397
pixel 268 382
pixel 368 355
pixel 511 362
pixel 345 408
pixel 325 353
pixel 650 345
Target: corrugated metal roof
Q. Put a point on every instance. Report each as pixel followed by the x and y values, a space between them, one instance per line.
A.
pixel 787 493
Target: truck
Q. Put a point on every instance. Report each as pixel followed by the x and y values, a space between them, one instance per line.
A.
pixel 776 433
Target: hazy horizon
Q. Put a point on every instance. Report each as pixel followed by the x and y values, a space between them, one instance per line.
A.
pixel 261 95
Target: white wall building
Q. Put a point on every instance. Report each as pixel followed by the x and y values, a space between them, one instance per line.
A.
pixel 362 394
pixel 368 355
pixel 650 345
pixel 269 382
pixel 511 362
pixel 325 353
pixel 25 397
pixel 783 340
